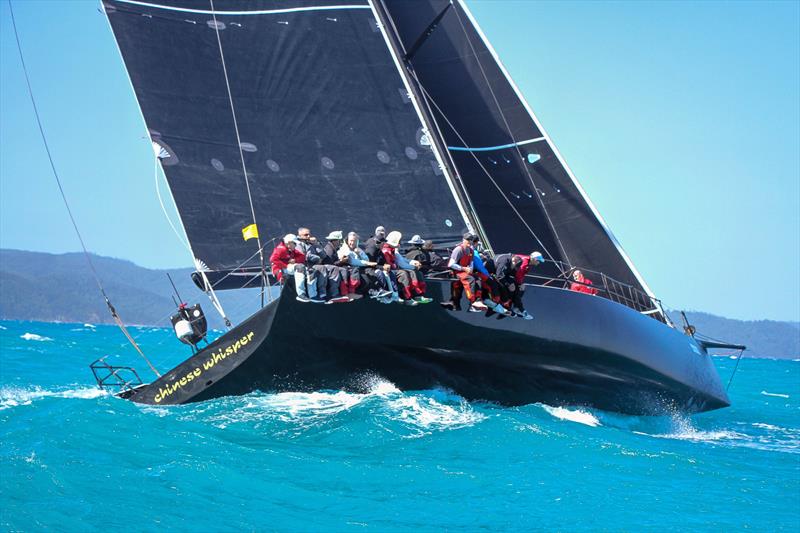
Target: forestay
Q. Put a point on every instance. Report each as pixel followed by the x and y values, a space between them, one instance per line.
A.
pixel 329 136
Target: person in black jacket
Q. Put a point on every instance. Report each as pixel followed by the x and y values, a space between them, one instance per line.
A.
pixel 335 269
pixel 422 251
pixel 374 244
pixel 506 268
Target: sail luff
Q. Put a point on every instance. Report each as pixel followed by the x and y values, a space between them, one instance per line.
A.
pixel 148 135
pixel 468 220
pixel 552 146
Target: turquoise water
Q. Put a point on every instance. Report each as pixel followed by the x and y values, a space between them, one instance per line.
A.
pixel 75 459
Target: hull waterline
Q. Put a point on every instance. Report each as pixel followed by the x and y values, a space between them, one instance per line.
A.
pixel 578 350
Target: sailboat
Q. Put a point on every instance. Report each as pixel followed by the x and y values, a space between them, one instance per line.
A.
pixel 275 114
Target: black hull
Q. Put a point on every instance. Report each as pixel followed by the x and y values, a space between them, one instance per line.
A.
pixel 578 350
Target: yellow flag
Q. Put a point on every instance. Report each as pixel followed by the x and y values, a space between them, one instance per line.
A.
pixel 250 232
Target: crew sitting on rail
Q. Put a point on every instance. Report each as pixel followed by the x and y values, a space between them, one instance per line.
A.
pixel 462 264
pixel 362 276
pixel 316 277
pixel 374 244
pixel 422 251
pixel 490 290
pixel 409 279
pixel 510 270
pixel 581 283
pixel 337 286
pixel 286 260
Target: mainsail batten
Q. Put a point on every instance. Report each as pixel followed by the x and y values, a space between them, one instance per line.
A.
pixel 330 137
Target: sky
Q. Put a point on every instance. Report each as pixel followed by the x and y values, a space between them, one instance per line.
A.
pixel 680 119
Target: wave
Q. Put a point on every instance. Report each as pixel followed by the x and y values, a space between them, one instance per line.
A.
pixel 410 414
pixel 34 337
pixel 774 394
pixel 11 396
pixel 577 415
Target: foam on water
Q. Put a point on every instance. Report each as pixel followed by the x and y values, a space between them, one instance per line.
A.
pixel 34 337
pixel 375 457
pixel 11 396
pixel 775 394
pixel 573 415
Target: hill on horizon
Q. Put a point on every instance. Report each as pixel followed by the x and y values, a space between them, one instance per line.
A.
pixel 60 288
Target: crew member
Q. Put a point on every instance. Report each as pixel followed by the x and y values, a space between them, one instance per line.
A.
pixel 409 278
pixel 422 251
pixel 374 244
pixel 287 260
pixel 361 271
pixel 316 273
pixel 336 274
pixel 581 283
pixel 462 264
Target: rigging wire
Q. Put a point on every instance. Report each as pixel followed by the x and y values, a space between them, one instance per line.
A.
pixel 488 174
pixel 213 285
pixel 239 146
pixel 511 135
pixel 164 210
pixel 86 254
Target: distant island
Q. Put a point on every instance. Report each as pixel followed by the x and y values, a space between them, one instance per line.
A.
pixel 59 288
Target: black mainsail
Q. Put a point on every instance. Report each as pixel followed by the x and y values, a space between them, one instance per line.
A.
pixel 329 135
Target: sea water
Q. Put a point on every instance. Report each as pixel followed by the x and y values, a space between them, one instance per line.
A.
pixel 77 459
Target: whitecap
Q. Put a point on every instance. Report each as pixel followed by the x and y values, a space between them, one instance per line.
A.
pixel 34 337
pixel 426 414
pixel 766 426
pixel 578 415
pixel 89 326
pixel 774 394
pixel 3 327
pixel 16 396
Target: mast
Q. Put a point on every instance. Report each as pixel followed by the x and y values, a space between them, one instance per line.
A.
pixel 439 147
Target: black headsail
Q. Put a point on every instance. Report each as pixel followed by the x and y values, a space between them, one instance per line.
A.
pixel 329 135
pixel 524 195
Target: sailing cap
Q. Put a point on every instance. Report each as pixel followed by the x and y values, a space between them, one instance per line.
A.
pixel 335 235
pixel 290 237
pixel 381 230
pixel 470 237
pixel 536 256
pixel 393 239
pixel 416 239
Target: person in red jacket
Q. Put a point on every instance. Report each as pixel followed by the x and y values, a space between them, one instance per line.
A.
pixel 581 283
pixel 287 260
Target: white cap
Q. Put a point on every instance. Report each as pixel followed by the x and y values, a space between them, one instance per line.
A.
pixel 393 239
pixel 416 239
pixel 335 235
pixel 536 256
pixel 289 237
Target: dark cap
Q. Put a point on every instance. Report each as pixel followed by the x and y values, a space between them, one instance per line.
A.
pixel 470 237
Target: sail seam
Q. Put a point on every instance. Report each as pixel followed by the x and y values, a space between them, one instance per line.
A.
pixel 492 148
pixel 254 12
pixel 555 150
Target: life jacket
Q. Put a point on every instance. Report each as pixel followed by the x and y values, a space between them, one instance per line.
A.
pixel 467 256
pixel 388 255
